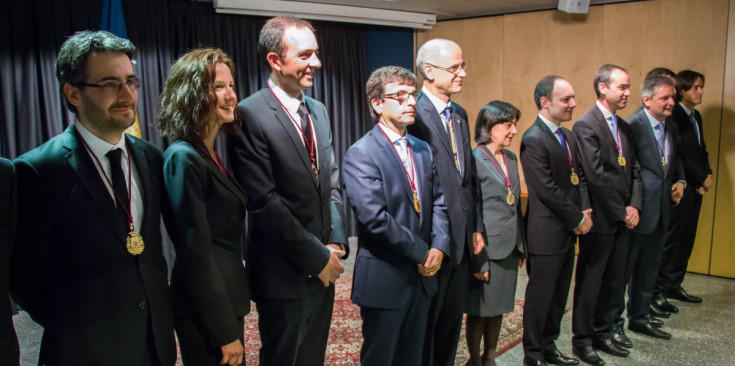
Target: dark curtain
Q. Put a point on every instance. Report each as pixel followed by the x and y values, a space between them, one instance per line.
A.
pixel 31 33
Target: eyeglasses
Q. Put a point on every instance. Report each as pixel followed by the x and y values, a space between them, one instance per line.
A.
pixel 401 96
pixel 454 69
pixel 114 86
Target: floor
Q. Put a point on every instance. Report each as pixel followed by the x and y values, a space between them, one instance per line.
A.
pixel 703 334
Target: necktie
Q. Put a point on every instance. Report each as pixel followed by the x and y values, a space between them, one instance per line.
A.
pixel 447 114
pixel 401 142
pixel 118 183
pixel 696 127
pixel 449 126
pixel 305 126
pixel 561 138
pixel 660 135
pixel 614 128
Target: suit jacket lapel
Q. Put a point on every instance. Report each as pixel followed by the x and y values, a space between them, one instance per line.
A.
pixel 492 163
pixel 395 161
pixel 426 191
pixel 459 137
pixel 433 121
pixel 287 123
pixel 81 163
pixel 217 173
pixel 321 133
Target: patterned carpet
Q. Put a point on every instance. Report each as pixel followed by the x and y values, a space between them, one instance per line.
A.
pixel 346 325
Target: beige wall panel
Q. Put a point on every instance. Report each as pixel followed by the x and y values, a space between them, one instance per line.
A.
pixel 723 240
pixel 675 34
pixel 549 42
pixel 481 40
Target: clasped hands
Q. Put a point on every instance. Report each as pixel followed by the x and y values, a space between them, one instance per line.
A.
pixel 432 262
pixel 331 272
pixel 586 225
pixel 677 192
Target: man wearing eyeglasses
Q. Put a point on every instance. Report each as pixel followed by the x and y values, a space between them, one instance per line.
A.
pixel 88 264
pixel 443 124
pixel 392 185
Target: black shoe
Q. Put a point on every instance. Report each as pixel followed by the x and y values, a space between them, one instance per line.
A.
pixel 557 358
pixel 659 313
pixel 681 295
pixel 609 347
pixel 649 330
pixel 533 362
pixel 588 355
pixel 663 304
pixel 656 322
pixel 620 339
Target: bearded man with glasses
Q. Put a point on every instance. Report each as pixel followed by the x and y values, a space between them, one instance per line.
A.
pixel 88 264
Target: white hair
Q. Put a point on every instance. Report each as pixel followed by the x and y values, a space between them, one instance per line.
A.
pixel 432 50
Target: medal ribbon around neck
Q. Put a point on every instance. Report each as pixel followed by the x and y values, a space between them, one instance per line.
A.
pixel 662 150
pixel 218 162
pixel 134 241
pixel 308 141
pixel 510 198
pixel 411 176
pixel 621 158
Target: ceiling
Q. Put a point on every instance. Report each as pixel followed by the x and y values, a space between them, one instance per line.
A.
pixel 456 9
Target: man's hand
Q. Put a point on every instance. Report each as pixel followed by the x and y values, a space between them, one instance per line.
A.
pixel 334 246
pixel 232 353
pixel 478 242
pixel 677 192
pixel 708 183
pixel 586 225
pixel 631 217
pixel 482 276
pixel 333 269
pixel 432 262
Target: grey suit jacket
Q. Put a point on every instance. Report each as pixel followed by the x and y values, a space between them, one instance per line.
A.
pixel 504 229
pixel 657 182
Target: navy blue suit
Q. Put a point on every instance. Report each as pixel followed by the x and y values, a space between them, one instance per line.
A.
pixel 393 296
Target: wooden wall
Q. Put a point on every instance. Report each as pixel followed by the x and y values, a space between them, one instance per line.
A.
pixel 507 55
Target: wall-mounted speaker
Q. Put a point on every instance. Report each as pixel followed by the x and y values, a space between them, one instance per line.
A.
pixel 574 6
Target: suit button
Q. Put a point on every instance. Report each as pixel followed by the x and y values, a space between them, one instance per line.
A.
pixel 141 305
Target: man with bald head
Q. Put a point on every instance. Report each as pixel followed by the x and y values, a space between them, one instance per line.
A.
pixel 558 211
pixel 443 124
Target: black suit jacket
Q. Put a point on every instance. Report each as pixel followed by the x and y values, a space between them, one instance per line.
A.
pixel 612 187
pixel 206 221
pixel 71 271
pixel 656 200
pixel 392 237
pixel 293 215
pixel 461 192
pixel 9 352
pixel 694 156
pixel 554 204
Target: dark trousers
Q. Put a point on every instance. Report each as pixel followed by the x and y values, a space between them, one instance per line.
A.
pixel 445 314
pixel 549 278
pixel 642 271
pixel 679 242
pixel 295 331
pixel 390 335
pixel 599 278
pixel 195 345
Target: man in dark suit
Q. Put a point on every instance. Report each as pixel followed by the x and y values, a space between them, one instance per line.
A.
pixel 558 211
pixel 662 177
pixel 607 150
pixel 284 160
pixel 88 264
pixel 685 217
pixel 9 352
pixel 443 124
pixel 403 228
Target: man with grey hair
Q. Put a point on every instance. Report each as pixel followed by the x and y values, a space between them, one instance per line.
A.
pixel 87 262
pixel 662 177
pixel 606 147
pixel 443 124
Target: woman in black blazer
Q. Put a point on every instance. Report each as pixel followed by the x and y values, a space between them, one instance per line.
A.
pixel 497 172
pixel 206 211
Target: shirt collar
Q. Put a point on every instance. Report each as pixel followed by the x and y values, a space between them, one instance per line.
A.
pixel 687 110
pixel 392 135
pixel 99 146
pixel 548 124
pixel 605 113
pixel 439 104
pixel 288 101
pixel 651 119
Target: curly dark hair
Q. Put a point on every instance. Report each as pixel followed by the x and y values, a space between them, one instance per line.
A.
pixel 186 100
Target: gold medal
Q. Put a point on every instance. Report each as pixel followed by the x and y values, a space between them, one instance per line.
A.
pixel 316 171
pixel 663 163
pixel 510 198
pixel 621 159
pixel 134 242
pixel 416 203
pixel 574 178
